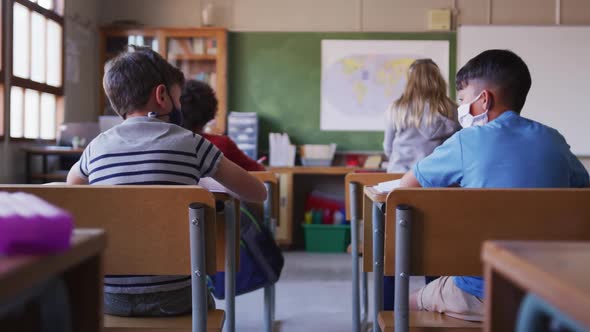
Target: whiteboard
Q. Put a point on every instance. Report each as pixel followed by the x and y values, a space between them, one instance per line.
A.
pixel 558 58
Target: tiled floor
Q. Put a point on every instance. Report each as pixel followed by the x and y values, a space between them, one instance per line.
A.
pixel 314 294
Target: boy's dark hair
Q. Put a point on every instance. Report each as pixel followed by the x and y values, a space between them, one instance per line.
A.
pixel 131 76
pixel 198 104
pixel 503 69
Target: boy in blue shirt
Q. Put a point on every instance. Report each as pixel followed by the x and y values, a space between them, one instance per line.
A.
pixel 496 149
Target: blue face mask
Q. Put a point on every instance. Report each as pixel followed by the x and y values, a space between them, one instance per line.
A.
pixel 174 116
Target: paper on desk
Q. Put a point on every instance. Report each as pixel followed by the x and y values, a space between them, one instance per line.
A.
pixel 214 186
pixel 388 186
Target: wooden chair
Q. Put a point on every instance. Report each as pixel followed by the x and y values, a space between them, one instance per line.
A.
pixel 271 215
pixel 151 230
pixel 354 184
pixel 441 232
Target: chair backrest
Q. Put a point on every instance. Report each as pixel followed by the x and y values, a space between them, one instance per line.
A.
pixel 364 179
pixel 147 226
pixel 449 226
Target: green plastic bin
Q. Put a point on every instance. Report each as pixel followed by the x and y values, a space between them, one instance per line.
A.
pixel 326 238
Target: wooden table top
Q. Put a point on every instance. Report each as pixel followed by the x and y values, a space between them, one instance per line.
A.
pixel 332 170
pixel 556 271
pixel 375 195
pixel 18 273
pixel 53 150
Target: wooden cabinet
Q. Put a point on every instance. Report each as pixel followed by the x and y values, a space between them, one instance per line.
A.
pixel 201 54
pixel 295 184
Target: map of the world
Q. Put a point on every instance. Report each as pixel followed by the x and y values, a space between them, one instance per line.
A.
pixel 361 78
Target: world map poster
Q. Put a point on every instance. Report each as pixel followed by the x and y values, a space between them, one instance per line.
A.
pixel 361 78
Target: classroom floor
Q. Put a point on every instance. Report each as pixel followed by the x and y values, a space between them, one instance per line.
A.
pixel 314 294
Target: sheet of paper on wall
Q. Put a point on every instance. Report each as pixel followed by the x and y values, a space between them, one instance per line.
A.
pixel 387 186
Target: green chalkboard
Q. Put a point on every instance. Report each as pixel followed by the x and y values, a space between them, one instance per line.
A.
pixel 277 75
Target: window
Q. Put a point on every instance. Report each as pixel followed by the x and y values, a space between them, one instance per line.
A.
pixel 36 84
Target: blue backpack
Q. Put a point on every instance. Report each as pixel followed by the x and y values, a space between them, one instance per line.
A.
pixel 261 260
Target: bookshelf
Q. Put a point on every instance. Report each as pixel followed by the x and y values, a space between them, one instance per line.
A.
pixel 201 54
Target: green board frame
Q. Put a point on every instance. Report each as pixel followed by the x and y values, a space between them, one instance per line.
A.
pixel 278 76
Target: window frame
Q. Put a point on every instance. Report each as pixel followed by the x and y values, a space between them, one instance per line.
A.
pixel 28 83
pixel 4 119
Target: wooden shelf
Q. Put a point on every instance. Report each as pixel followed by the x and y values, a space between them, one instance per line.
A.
pixel 192 57
pixel 190 64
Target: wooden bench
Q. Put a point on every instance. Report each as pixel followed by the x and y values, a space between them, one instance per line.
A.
pixel 271 215
pixel 441 232
pixel 354 184
pixel 151 230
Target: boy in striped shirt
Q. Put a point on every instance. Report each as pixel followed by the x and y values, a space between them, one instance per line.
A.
pixel 150 147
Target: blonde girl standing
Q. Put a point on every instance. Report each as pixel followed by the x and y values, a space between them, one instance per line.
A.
pixel 421 119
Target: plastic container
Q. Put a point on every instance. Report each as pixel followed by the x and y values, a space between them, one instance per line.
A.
pixel 313 162
pixel 318 155
pixel 326 238
pixel 29 225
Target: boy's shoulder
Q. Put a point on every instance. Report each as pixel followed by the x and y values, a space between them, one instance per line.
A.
pixel 153 134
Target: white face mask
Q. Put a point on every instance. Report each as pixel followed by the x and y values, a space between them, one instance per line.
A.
pixel 466 119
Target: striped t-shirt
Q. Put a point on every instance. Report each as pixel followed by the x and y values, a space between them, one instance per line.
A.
pixel 147 151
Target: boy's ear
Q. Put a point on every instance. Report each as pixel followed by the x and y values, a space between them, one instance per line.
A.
pixel 488 99
pixel 160 94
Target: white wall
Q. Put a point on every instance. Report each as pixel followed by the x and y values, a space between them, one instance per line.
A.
pixel 341 15
pixel 81 102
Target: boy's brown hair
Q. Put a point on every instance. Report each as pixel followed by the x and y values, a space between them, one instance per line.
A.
pixel 131 76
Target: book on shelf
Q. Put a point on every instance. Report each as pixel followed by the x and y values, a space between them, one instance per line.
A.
pixel 173 48
pixel 203 77
pixel 198 46
pixel 213 80
pixel 185 46
pixel 211 46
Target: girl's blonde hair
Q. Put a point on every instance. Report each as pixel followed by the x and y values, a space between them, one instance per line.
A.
pixel 425 87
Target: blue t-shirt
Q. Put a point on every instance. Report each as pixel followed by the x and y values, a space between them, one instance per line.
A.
pixel 509 152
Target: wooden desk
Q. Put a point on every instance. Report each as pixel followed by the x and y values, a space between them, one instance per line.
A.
pixel 557 272
pixel 44 152
pixel 354 186
pixel 332 170
pixel 295 183
pixel 80 267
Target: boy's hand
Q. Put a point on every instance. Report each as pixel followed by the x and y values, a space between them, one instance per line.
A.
pixel 409 180
pixel 236 179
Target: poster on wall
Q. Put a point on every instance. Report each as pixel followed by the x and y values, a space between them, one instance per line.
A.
pixel 361 78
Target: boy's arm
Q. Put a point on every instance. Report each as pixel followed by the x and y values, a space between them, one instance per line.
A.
pixel 75 176
pixel 442 168
pixel 236 179
pixel 409 180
